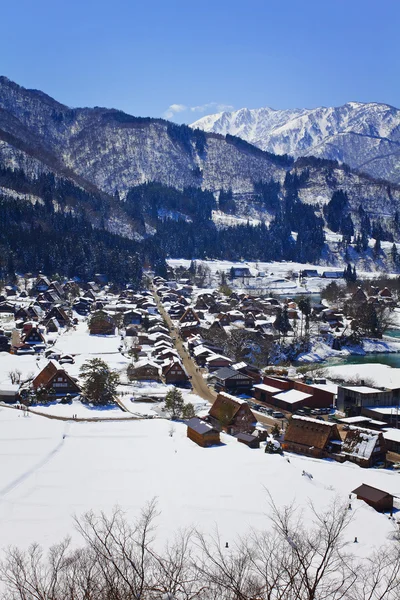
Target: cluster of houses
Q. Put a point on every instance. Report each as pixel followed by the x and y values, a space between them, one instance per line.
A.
pixel 32 319
pixel 304 435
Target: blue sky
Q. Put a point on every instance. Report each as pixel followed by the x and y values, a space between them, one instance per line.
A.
pixel 201 57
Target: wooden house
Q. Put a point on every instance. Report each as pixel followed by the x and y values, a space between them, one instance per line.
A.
pixel 54 285
pixel 202 433
pixel 55 380
pixel 252 441
pixel 58 313
pixel 189 316
pixel 33 336
pixel 7 307
pixel 52 325
pixel 229 380
pixel 101 323
pixel 217 361
pixel 232 415
pixel 364 447
pixel 41 284
pixel 311 437
pixel 144 370
pixel 174 372
pixel 359 296
pixel 378 499
pixel 132 317
pixel 224 319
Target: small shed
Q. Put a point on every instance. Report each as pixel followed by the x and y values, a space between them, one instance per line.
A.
pixel 203 434
pixel 252 441
pixel 378 499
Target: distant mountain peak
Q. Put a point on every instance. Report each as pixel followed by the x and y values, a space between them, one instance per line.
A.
pixel 364 135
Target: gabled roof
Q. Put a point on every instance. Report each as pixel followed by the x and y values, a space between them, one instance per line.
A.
pixel 226 407
pixel 370 493
pixel 360 443
pixel 200 426
pixel 227 373
pixel 45 375
pixel 311 432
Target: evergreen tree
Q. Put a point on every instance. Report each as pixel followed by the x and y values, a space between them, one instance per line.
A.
pixel 100 382
pixel 174 404
pixel 395 255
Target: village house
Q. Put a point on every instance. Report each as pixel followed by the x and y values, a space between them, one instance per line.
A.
pixel 352 399
pixel 231 415
pixel 175 373
pixel 41 284
pixel 227 379
pixel 364 447
pixel 189 316
pixel 216 361
pixel 58 313
pixel 144 370
pixel 101 323
pixel 32 336
pixel 55 380
pixel 202 433
pixel 312 437
pixel 379 500
pixel 290 395
pixel 252 441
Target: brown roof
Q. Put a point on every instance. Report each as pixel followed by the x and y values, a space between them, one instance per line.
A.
pixel 226 407
pixel 45 375
pixel 311 432
pixel 361 443
pixel 370 493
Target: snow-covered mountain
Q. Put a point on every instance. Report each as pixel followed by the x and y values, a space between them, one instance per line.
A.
pixel 105 151
pixel 366 136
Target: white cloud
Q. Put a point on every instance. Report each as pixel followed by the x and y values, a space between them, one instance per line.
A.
pixel 174 109
pixel 212 106
pixel 207 108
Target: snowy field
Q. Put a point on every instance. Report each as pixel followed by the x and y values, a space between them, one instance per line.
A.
pixel 51 470
pixel 274 275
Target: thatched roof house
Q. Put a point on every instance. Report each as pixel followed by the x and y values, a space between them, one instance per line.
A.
pixel 231 414
pixel 311 437
pixel 364 446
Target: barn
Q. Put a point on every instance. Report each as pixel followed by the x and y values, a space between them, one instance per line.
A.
pixel 202 433
pixel 379 500
pixel 232 415
pixel 312 437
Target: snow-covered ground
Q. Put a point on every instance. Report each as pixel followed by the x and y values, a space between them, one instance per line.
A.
pixel 375 374
pixel 82 411
pixel 273 276
pixel 321 351
pixel 51 470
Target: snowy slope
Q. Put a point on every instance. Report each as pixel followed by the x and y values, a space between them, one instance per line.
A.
pixel 52 470
pixel 365 136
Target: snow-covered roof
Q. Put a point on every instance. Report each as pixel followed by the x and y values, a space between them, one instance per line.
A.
pixel 393 435
pixel 353 420
pixel 311 420
pixel 267 388
pixel 361 389
pixel 217 356
pixel 360 442
pixel 292 396
pixel 385 410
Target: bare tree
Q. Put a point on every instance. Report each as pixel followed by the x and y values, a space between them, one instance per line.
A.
pixel 15 376
pixel 120 561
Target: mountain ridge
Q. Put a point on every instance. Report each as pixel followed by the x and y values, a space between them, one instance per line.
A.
pixel 321 132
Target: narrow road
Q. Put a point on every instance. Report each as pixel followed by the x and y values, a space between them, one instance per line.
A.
pixel 199 385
